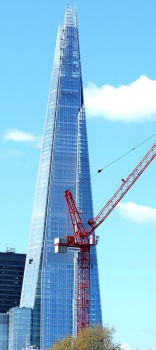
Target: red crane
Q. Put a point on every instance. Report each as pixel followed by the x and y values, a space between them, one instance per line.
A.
pixel 83 239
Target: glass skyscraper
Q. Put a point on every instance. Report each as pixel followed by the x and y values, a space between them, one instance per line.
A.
pixel 49 278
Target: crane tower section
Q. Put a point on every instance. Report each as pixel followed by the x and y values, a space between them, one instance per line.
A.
pixel 83 239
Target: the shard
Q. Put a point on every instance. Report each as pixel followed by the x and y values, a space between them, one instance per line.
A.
pixel 48 286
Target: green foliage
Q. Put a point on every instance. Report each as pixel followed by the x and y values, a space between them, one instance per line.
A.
pixel 91 338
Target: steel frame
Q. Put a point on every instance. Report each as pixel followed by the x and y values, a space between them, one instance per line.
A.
pixel 81 238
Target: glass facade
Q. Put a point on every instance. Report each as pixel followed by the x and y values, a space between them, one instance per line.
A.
pixel 48 285
pixel 11 277
pixel 19 328
pixel 4 324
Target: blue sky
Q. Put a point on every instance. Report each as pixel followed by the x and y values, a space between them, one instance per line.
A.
pixel 117 42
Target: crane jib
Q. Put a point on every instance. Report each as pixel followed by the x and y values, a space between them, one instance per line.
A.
pixel 83 239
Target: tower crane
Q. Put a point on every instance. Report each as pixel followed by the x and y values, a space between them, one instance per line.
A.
pixel 83 238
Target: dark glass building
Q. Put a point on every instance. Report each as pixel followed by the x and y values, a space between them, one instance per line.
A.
pixel 11 277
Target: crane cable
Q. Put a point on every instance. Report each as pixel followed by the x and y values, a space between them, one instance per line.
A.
pixel 109 164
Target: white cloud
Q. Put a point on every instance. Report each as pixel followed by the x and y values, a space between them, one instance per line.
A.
pixel 127 103
pixel 14 152
pixel 126 346
pixel 139 214
pixel 16 135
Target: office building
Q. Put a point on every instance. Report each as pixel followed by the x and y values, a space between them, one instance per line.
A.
pixel 4 323
pixel 49 278
pixel 20 322
pixel 11 278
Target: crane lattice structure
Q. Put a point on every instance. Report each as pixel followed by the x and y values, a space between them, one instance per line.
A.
pixel 83 239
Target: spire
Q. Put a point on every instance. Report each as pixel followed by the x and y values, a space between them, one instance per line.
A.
pixel 75 16
pixel 68 19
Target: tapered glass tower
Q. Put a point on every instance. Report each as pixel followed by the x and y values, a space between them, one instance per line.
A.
pixel 48 286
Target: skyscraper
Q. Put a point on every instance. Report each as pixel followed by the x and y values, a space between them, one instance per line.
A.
pixel 48 286
pixel 11 277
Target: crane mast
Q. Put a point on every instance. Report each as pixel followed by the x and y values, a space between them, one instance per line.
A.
pixel 83 239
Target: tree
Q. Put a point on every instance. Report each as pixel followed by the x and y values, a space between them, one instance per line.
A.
pixel 67 343
pixel 90 338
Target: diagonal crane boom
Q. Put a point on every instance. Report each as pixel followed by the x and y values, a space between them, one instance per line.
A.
pixel 122 190
pixel 83 239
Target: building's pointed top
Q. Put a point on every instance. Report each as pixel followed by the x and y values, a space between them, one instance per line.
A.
pixel 75 16
pixel 70 18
